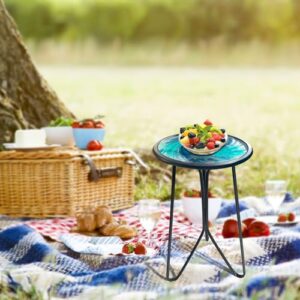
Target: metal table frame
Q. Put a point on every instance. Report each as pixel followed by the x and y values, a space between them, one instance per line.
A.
pixel 205 232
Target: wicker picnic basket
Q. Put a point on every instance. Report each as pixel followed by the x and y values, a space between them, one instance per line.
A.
pixel 64 182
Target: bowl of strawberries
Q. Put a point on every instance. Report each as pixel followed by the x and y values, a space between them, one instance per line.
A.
pixel 89 133
pixel 202 139
pixel 192 206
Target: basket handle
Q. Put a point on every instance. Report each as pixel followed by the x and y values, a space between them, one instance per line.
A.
pixel 137 159
pixel 96 174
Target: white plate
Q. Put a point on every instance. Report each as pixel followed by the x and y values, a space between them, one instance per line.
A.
pixel 273 221
pixel 286 223
pixel 204 151
pixel 91 244
pixel 13 146
pixel 100 245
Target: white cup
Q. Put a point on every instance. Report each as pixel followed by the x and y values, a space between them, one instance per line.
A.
pixel 30 138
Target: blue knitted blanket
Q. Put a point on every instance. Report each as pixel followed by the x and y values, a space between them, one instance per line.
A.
pixel 273 269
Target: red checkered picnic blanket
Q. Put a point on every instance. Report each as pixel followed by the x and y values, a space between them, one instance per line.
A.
pixel 182 227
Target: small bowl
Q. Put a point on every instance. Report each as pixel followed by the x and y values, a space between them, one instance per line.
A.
pixel 83 136
pixel 193 208
pixel 204 151
pixel 61 135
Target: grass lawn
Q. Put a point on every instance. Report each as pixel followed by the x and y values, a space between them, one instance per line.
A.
pixel 144 104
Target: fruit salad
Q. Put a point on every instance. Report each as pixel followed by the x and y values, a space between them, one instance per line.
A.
pixel 202 139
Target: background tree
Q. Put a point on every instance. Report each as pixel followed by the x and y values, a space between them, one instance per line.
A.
pixel 26 100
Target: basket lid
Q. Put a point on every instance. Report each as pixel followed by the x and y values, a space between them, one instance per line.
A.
pixel 62 153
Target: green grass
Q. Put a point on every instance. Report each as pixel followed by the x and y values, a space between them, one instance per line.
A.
pixel 144 104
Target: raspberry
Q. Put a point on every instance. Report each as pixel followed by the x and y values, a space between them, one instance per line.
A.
pixel 208 123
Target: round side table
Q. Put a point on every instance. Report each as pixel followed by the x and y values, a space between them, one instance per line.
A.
pixel 235 152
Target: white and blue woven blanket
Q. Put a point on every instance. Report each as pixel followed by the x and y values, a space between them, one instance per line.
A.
pixel 273 269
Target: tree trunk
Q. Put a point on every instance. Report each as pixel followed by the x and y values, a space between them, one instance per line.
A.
pixel 26 100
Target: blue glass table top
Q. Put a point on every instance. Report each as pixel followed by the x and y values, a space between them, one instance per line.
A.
pixel 170 151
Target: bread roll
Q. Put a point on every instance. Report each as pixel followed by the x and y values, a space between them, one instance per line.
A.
pixel 103 215
pixel 108 228
pixel 125 232
pixel 102 219
pixel 115 229
pixel 86 222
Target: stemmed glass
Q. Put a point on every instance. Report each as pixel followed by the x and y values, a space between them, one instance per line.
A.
pixel 275 192
pixel 149 214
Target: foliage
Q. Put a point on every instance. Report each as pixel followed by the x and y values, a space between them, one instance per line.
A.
pixel 15 291
pixel 155 184
pixel 61 121
pixel 166 20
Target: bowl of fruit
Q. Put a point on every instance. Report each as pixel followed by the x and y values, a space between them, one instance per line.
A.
pixel 192 206
pixel 89 133
pixel 202 139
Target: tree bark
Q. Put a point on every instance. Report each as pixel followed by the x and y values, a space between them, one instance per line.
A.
pixel 26 100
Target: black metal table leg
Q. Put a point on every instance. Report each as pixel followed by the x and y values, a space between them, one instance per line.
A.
pixel 204 180
pixel 171 221
pixel 237 206
pixel 169 267
pixel 229 267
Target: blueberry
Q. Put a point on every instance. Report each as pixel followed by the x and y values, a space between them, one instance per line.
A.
pixel 200 145
pixel 181 137
pixel 223 130
pixel 223 140
pixel 191 135
pixel 217 146
pixel 182 130
pixel 192 146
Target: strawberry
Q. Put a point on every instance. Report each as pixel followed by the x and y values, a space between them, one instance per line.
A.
pixel 88 124
pixel 140 249
pixel 99 124
pixel 210 145
pixel 76 124
pixel 208 123
pixel 282 218
pixel 194 140
pixel 291 216
pixel 94 145
pixel 192 194
pixel 231 229
pixel 216 137
pixel 211 140
pixel 248 221
pixel 128 248
pixel 258 228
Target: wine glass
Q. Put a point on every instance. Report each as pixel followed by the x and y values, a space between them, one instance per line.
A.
pixel 275 192
pixel 149 214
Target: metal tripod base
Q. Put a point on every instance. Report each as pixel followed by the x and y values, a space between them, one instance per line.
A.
pixel 204 180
